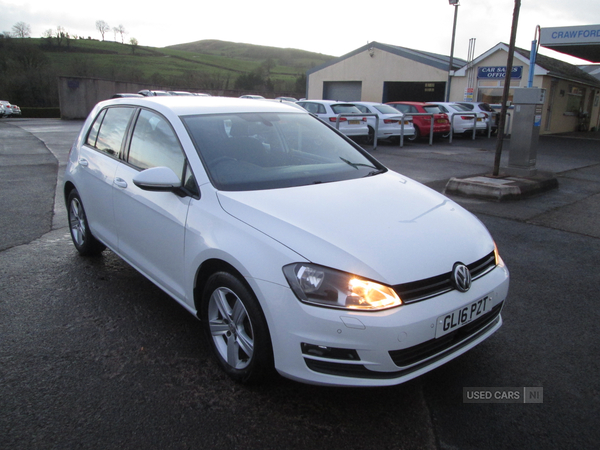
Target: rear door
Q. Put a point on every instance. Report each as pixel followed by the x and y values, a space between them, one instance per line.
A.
pixel 97 164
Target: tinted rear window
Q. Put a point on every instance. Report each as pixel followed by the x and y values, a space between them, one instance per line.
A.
pixel 386 109
pixel 433 109
pixel 345 109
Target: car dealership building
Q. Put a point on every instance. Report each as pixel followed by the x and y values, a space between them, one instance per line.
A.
pixel 383 73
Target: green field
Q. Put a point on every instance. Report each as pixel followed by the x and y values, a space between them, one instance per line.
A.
pixel 31 64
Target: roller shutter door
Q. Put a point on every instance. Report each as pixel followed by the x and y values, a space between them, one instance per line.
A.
pixel 345 91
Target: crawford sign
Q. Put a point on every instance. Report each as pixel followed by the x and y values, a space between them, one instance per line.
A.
pixel 498 72
pixel 570 35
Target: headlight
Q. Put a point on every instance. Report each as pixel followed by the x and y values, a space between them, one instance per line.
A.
pixel 498 259
pixel 327 287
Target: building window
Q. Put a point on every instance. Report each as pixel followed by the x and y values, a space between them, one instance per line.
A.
pixel 490 91
pixel 574 100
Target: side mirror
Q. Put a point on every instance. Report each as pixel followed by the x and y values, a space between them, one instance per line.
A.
pixel 160 179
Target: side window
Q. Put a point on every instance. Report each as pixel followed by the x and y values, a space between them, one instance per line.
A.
pixel 363 109
pixel 109 129
pixel 310 107
pixel 154 144
pixel 321 109
pixel 93 136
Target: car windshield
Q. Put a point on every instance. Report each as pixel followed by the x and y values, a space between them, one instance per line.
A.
pixel 252 151
pixel 432 109
pixel 386 109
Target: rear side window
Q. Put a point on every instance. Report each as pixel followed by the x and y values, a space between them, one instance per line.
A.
pixel 406 108
pixel 315 108
pixel 108 130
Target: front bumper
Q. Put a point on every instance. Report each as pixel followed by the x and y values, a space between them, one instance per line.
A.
pixel 346 348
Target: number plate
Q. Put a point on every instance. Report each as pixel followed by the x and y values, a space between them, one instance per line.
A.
pixel 462 316
pixel 354 122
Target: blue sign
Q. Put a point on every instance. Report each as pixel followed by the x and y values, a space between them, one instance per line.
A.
pixel 498 72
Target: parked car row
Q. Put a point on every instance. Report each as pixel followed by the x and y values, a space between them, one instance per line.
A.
pixel 8 110
pixel 156 93
pixel 462 119
pixel 410 119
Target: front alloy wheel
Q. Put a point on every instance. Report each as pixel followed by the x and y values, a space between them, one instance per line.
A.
pixel 236 328
pixel 231 328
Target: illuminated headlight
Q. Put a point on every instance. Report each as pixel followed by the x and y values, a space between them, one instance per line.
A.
pixel 499 261
pixel 327 287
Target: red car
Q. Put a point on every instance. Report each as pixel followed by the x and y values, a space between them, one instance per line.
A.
pixel 441 124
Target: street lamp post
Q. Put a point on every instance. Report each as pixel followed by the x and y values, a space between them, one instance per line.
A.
pixel 456 4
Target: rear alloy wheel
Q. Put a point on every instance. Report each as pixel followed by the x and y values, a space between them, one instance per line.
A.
pixel 85 243
pixel 416 136
pixel 236 328
pixel 370 138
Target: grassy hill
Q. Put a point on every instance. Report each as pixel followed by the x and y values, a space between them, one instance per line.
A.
pixel 31 64
pixel 286 57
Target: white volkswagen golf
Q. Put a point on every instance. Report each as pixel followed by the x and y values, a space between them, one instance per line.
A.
pixel 297 250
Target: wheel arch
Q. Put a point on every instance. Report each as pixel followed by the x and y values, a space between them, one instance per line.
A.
pixel 206 269
pixel 67 189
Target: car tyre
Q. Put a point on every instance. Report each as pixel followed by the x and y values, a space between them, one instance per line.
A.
pixel 416 136
pixel 236 329
pixel 370 138
pixel 85 243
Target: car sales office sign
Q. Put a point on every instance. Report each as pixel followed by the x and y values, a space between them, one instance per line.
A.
pixel 498 72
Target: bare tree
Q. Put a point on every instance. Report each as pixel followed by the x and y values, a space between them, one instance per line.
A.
pixel 21 30
pixel 120 30
pixel 60 34
pixel 134 43
pixel 48 33
pixel 102 27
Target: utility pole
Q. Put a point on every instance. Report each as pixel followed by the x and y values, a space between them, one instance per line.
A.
pixel 456 4
pixel 509 65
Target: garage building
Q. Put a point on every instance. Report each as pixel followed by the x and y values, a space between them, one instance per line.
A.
pixel 380 72
pixel 383 73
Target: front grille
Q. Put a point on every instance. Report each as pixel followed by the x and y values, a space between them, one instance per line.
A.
pixel 430 287
pixel 412 355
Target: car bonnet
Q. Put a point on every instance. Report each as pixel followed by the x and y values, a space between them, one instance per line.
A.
pixel 387 227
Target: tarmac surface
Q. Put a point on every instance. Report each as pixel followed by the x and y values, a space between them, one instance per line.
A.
pixel 572 158
pixel 94 356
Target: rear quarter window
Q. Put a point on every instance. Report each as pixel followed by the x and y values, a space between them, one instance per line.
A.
pixel 108 130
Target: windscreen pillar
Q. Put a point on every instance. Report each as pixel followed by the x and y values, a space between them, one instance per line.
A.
pixel 527 119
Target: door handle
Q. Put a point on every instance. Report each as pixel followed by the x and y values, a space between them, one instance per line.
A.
pixel 84 162
pixel 120 182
